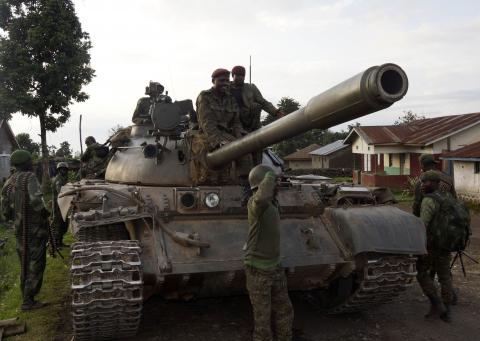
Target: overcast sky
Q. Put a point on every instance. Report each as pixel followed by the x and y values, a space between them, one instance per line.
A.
pixel 299 49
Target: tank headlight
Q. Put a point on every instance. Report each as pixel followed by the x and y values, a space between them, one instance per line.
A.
pixel 212 200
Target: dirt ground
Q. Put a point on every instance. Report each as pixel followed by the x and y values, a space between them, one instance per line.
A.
pixel 230 318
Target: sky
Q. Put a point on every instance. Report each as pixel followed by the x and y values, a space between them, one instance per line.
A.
pixel 299 49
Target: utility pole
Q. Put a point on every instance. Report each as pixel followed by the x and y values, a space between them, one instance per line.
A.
pixel 250 71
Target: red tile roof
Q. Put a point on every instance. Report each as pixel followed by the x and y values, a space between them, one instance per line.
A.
pixel 470 151
pixel 418 133
pixel 302 154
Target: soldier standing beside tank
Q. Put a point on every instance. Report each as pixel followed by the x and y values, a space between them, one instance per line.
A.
pixel 60 226
pixel 22 201
pixel 266 280
pixel 435 258
pixel 251 104
pixel 94 160
pixel 428 163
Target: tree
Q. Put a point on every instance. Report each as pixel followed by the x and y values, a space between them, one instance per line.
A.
pixel 408 117
pixel 64 150
pixel 44 62
pixel 115 129
pixel 287 105
pixel 25 142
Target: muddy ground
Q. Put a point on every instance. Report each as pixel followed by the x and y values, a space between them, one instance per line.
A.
pixel 230 318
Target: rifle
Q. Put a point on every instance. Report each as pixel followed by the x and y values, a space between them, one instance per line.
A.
pixel 459 255
pixel 51 239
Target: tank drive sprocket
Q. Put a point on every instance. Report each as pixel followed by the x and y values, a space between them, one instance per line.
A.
pixel 107 295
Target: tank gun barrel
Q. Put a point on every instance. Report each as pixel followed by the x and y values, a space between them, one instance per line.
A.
pixel 374 89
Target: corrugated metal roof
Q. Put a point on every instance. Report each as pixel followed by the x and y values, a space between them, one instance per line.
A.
pixel 421 132
pixel 470 151
pixel 329 148
pixel 302 154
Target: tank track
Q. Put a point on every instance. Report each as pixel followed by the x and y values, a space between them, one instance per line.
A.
pixel 107 289
pixel 103 232
pixel 381 280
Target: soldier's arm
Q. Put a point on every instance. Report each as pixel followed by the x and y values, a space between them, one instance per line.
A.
pixel 206 118
pixel 427 211
pixel 264 193
pixel 266 105
pixel 6 201
pixel 417 200
pixel 35 194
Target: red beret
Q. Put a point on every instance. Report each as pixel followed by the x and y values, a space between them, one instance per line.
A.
pixel 238 70
pixel 220 72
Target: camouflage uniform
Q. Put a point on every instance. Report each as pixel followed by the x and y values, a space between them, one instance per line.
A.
pixel 60 226
pixel 438 260
pixel 94 166
pixel 22 201
pixel 446 186
pixel 265 279
pixel 218 118
pixel 251 103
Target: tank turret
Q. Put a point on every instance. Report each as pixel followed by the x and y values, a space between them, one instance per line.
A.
pixel 159 153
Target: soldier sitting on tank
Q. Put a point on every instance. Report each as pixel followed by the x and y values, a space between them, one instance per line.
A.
pixel 218 118
pixel 154 90
pixel 251 104
pixel 94 160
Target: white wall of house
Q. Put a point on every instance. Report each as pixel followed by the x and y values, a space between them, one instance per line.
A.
pixel 359 146
pixel 467 182
pixel 320 161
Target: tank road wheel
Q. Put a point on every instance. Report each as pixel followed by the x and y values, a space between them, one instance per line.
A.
pixel 107 283
pixel 377 280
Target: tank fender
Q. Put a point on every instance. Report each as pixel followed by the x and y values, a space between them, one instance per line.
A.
pixel 384 229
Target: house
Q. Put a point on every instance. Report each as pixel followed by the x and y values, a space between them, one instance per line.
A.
pixel 388 155
pixel 301 159
pixel 333 155
pixel 466 171
pixel 7 145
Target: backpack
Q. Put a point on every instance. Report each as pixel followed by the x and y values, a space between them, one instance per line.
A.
pixel 451 226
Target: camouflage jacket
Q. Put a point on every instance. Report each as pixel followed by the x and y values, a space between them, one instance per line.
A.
pixel 218 117
pixel 446 186
pixel 94 166
pixel 263 243
pixel 58 181
pixel 14 196
pixel 251 104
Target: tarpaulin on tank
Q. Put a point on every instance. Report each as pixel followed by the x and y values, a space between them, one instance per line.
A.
pixel 384 229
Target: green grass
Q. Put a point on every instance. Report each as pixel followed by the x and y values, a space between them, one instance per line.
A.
pixel 45 323
pixel 403 196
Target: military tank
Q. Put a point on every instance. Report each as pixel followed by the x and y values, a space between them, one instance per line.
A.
pixel 161 224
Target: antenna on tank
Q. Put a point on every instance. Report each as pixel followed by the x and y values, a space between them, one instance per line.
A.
pixel 250 71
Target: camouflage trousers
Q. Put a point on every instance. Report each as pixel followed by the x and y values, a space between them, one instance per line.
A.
pixel 270 302
pixel 31 283
pixel 439 263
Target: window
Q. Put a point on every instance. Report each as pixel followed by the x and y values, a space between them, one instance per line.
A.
pixel 390 160
pixel 477 167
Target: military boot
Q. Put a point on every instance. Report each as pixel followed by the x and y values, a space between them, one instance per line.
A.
pixel 437 308
pixel 30 304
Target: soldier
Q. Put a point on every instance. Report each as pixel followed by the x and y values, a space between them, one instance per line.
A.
pixel 22 201
pixel 266 280
pixel 94 160
pixel 428 163
pixel 60 226
pixel 251 103
pixel 438 258
pixel 218 112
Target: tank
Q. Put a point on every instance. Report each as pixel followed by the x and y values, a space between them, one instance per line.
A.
pixel 164 223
